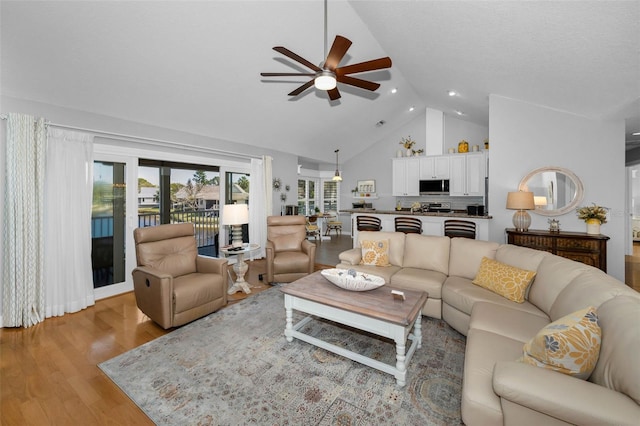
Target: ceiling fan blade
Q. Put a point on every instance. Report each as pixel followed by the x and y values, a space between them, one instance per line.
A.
pixel 302 88
pixel 337 52
pixel 374 64
pixel 363 84
pixel 286 52
pixel 286 74
pixel 334 94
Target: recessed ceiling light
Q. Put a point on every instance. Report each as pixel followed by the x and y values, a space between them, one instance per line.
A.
pixel 394 90
pixel 459 112
pixel 635 134
pixel 452 93
pixel 411 108
pixel 380 123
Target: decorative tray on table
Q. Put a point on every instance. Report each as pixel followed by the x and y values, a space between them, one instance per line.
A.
pixel 350 279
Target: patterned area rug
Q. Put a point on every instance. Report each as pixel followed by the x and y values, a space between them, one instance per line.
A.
pixel 235 367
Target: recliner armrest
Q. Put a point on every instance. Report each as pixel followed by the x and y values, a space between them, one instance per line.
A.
pixel 561 396
pixel 211 265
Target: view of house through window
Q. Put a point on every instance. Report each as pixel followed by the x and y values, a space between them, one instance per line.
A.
pixel 177 192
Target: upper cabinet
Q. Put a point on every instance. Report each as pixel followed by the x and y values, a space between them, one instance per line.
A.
pixel 405 176
pixel 434 167
pixel 466 174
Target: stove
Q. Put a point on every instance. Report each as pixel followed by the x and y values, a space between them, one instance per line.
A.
pixel 444 207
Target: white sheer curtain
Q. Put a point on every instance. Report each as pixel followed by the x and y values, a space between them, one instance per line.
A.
pixel 68 199
pixel 260 202
pixel 23 299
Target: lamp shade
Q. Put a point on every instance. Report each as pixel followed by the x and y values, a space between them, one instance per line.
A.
pixel 520 200
pixel 235 214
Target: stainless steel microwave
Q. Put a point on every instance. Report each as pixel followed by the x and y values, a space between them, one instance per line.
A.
pixel 434 187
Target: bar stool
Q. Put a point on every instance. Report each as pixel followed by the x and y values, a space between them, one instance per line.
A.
pixel 459 228
pixel 368 223
pixel 408 225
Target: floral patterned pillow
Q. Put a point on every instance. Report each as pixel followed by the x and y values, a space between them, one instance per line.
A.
pixel 375 253
pixel 570 345
pixel 506 280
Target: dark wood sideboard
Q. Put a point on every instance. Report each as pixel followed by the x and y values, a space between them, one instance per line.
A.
pixel 578 246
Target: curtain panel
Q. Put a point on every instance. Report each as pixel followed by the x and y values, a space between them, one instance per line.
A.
pixel 260 203
pixel 23 295
pixel 68 203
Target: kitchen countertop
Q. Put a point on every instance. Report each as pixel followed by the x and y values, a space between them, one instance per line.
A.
pixel 460 213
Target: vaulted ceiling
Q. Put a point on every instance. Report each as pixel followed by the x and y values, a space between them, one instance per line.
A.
pixel 195 66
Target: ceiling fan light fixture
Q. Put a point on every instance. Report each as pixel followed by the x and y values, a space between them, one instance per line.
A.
pixel 325 80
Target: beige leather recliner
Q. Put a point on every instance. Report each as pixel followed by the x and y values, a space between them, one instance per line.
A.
pixel 290 256
pixel 174 285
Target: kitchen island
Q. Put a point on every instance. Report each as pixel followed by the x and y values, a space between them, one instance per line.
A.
pixel 432 222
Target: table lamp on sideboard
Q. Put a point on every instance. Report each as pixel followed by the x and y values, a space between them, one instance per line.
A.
pixel 521 201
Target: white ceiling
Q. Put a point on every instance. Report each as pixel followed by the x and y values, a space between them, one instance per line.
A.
pixel 194 66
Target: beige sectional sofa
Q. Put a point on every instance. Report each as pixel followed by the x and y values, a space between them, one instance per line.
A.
pixel 497 389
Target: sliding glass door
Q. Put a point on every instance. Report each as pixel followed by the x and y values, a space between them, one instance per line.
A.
pixel 108 223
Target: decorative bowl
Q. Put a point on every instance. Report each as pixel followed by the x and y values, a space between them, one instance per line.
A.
pixel 352 280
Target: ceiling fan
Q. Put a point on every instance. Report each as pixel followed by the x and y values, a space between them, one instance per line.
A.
pixel 329 74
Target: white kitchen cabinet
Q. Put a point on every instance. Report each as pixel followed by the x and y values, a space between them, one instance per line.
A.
pixel 434 167
pixel 466 175
pixel 406 176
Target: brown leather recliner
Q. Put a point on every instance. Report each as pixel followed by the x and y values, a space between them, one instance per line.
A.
pixel 290 255
pixel 173 285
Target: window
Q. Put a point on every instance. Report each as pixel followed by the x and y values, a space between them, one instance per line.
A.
pixel 330 195
pixel 307 200
pixel 171 192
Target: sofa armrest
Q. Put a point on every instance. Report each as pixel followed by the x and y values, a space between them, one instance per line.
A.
pixel 211 265
pixel 560 396
pixel 351 257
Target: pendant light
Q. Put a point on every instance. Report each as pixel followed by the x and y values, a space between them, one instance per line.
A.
pixel 337 177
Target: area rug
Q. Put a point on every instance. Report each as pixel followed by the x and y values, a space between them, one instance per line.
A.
pixel 236 367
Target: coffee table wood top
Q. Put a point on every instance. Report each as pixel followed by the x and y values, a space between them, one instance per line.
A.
pixel 377 303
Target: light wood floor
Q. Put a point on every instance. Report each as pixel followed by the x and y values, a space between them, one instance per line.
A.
pixel 49 373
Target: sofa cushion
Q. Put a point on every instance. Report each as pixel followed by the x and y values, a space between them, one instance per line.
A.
pixel 427 252
pixel 396 243
pixel 570 345
pixel 591 288
pixel 618 367
pixel 552 276
pixel 375 253
pixel 507 321
pixel 520 257
pixel 461 294
pixel 466 255
pixel 506 280
pixel 420 279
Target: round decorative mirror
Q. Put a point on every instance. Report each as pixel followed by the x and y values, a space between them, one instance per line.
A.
pixel 556 190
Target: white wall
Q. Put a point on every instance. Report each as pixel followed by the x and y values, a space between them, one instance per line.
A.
pixel 456 130
pixel 525 136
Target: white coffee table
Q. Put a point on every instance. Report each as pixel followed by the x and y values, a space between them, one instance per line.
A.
pixel 374 311
pixel 240 267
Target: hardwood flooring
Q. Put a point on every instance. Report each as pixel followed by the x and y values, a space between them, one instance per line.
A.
pixel 49 373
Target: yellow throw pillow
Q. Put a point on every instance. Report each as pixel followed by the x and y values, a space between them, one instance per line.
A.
pixel 375 253
pixel 507 281
pixel 570 345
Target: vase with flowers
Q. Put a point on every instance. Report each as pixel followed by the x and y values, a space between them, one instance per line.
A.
pixel 594 216
pixel 408 145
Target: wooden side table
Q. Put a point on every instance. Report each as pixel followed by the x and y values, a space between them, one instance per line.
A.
pixel 579 246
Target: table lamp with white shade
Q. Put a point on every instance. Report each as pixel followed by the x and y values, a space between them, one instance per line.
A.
pixel 521 201
pixel 235 215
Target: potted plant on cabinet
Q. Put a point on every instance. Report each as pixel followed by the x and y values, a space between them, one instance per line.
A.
pixel 594 216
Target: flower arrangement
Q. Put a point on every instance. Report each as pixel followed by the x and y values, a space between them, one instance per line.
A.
pixel 592 212
pixel 408 143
